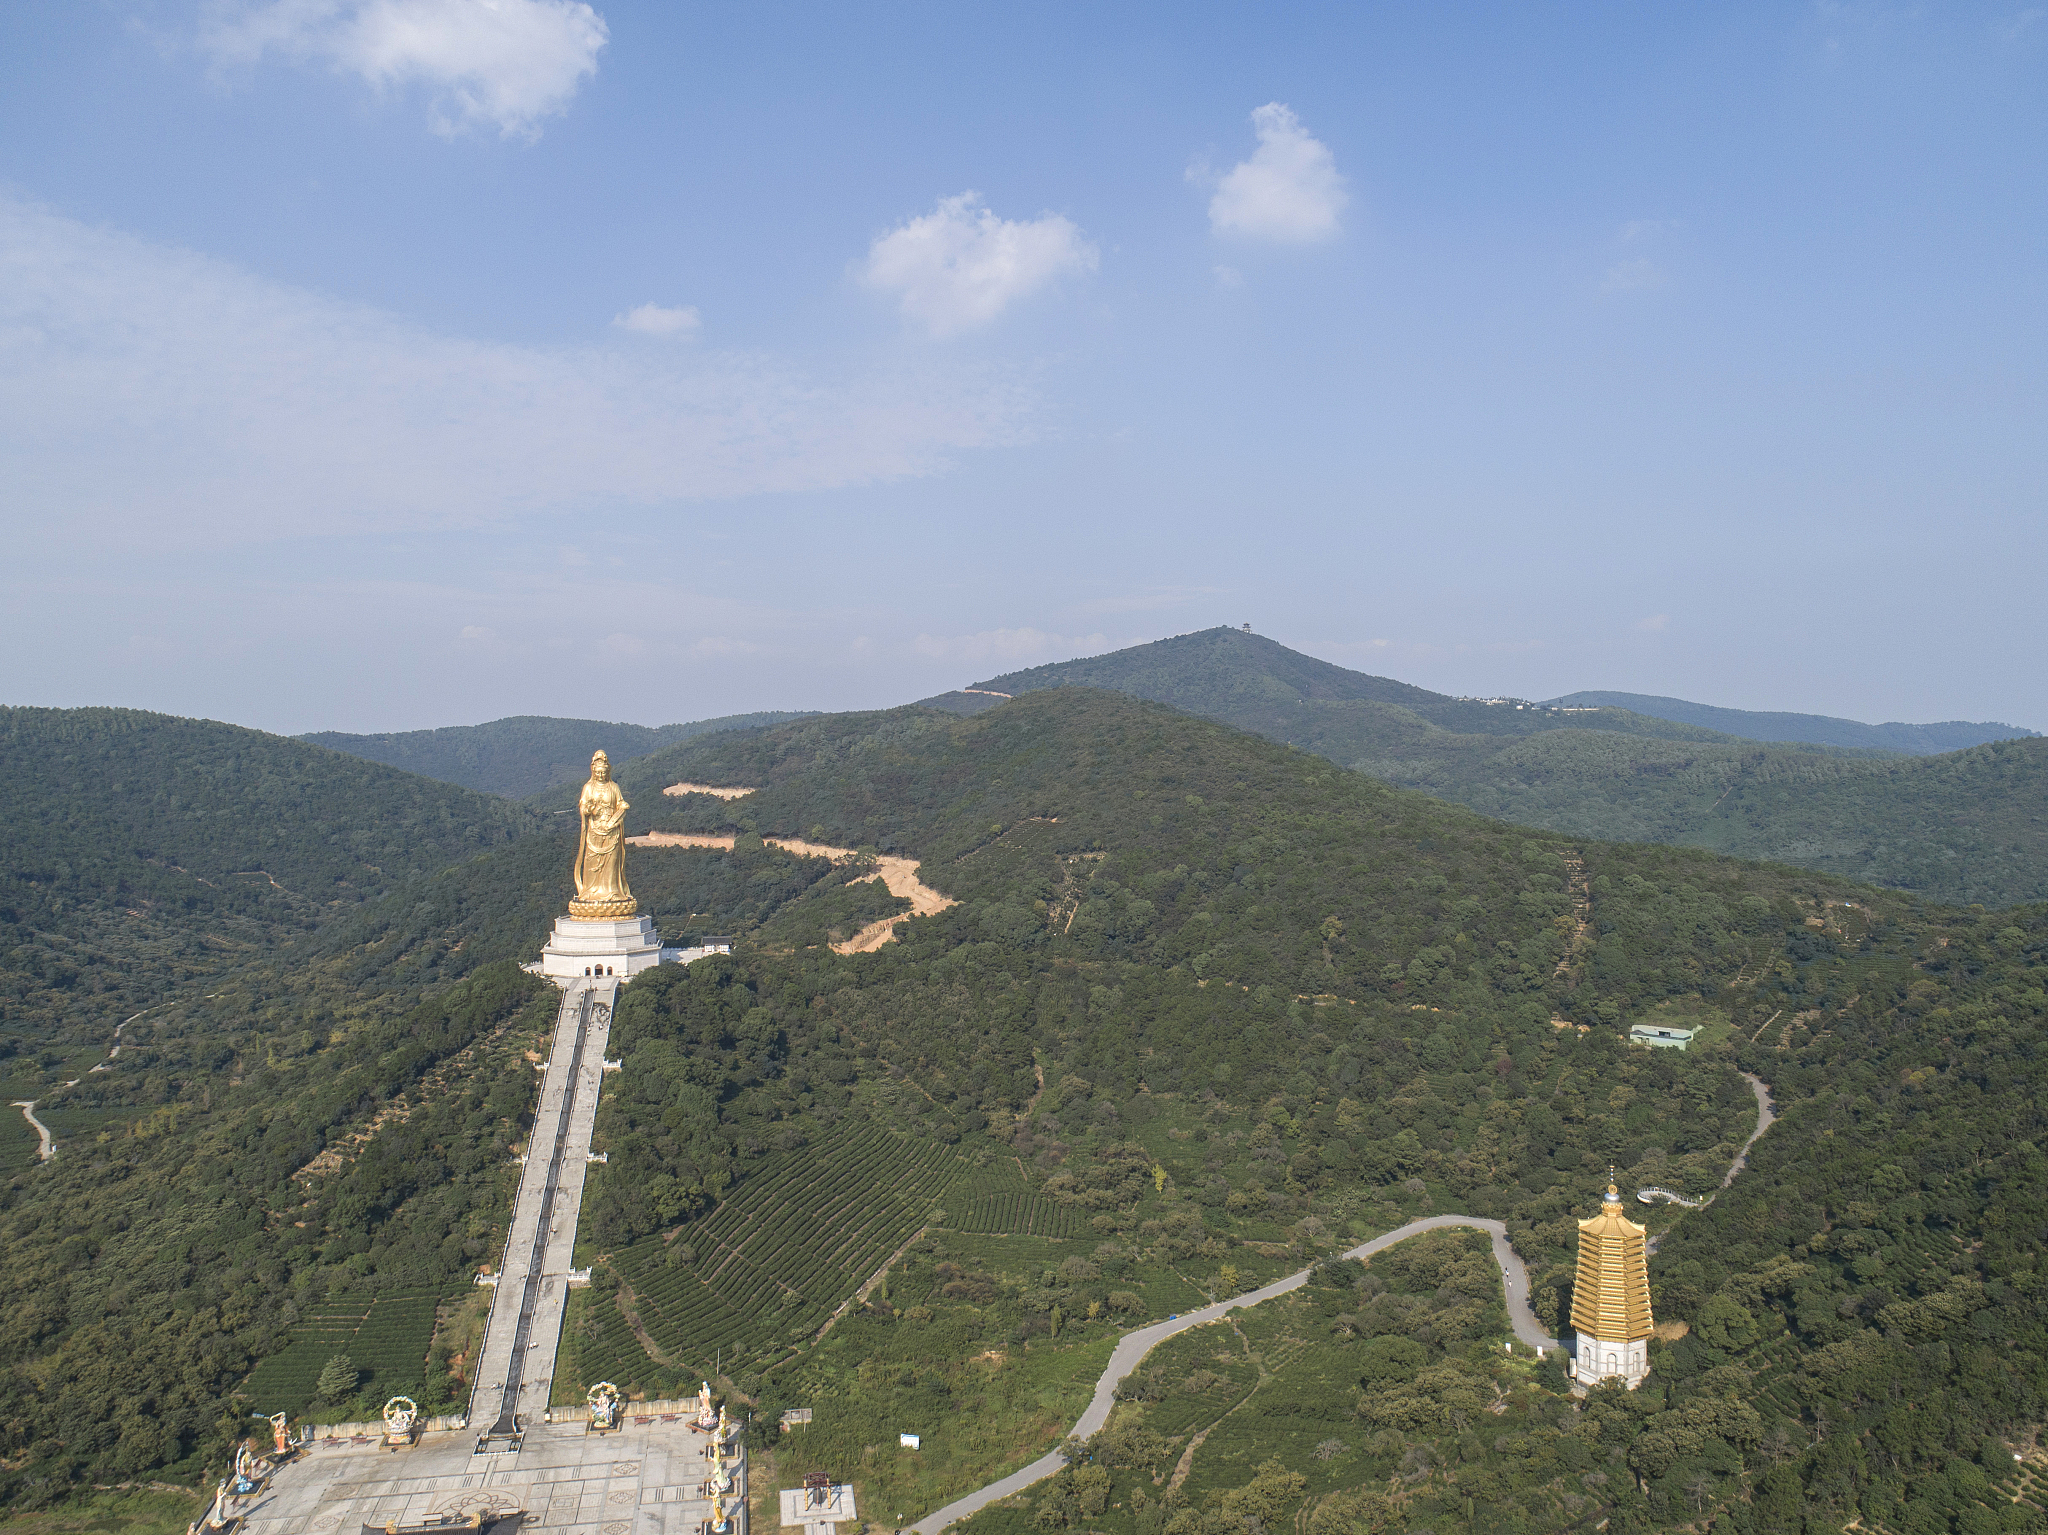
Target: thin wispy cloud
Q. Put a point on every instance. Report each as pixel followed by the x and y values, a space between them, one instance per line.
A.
pixel 1289 190
pixel 1641 272
pixel 655 320
pixel 506 64
pixel 1192 599
pixel 2016 27
pixel 1634 276
pixel 1011 647
pixel 960 266
pixel 151 396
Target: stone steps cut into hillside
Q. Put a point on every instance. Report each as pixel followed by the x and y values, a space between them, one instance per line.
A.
pixel 515 1369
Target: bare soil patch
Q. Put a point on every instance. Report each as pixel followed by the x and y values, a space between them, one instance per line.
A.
pixel 680 789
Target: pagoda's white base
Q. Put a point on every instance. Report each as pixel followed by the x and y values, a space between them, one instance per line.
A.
pixel 585 946
pixel 1598 1359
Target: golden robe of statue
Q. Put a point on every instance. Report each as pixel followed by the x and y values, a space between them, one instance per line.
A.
pixel 601 853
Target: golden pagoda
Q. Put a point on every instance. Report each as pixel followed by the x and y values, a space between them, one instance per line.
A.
pixel 1611 1298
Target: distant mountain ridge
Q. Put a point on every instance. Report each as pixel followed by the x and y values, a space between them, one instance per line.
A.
pixel 1959 826
pixel 525 753
pixel 1817 729
pixel 1229 674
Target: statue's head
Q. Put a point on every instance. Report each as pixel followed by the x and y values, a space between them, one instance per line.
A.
pixel 600 766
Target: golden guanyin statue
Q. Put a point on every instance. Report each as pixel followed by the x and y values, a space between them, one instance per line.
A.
pixel 601 890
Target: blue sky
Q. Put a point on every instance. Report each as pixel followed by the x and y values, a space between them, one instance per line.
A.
pixel 373 364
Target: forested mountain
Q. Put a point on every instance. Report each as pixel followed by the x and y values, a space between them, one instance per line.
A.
pixel 1817 729
pixel 1258 684
pixel 170 1000
pixel 525 753
pixel 140 853
pixel 1206 1010
pixel 1964 826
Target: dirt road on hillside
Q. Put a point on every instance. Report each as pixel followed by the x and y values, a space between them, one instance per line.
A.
pixel 898 877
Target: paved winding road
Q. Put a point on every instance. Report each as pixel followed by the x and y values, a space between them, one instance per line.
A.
pixel 1134 1346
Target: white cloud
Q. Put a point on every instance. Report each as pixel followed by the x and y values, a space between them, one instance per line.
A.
pixel 1656 623
pixel 1229 277
pixel 478 633
pixel 1289 190
pixel 1635 276
pixel 152 396
pixel 653 320
pixel 960 266
pixel 506 63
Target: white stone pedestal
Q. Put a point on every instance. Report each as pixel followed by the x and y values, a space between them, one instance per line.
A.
pixel 1598 1359
pixel 597 947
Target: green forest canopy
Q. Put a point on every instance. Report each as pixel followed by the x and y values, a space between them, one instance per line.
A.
pixel 142 854
pixel 1316 1004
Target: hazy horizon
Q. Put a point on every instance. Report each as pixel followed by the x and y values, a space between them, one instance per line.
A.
pixel 658 723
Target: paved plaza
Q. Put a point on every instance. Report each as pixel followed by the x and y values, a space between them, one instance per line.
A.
pixel 646 1479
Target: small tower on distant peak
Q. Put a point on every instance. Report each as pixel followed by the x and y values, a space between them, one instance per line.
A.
pixel 1611 1297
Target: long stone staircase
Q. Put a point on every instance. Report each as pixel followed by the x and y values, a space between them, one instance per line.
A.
pixel 516 1367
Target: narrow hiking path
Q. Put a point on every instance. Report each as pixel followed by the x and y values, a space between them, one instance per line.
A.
pixel 114 1054
pixel 1134 1346
pixel 1766 1116
pixel 46 1143
pixel 1581 890
pixel 898 876
pixel 1670 1197
pixel 46 1140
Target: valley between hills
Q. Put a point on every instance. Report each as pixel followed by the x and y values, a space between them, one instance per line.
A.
pixel 1185 1010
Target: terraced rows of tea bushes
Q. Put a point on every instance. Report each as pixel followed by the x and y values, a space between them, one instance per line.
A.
pixel 768 1266
pixel 997 1201
pixel 386 1337
pixel 1017 1214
